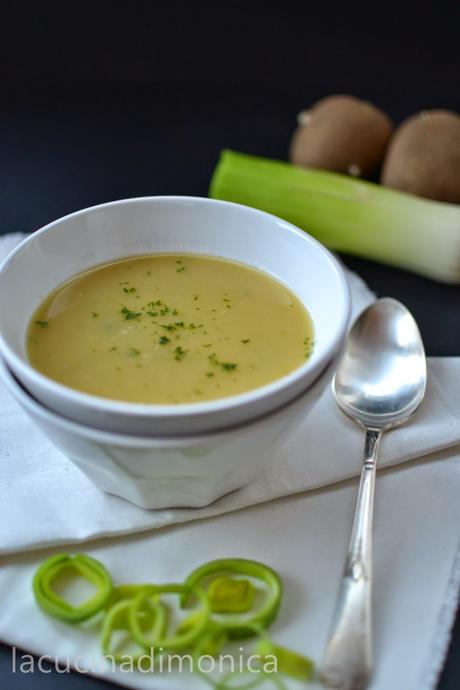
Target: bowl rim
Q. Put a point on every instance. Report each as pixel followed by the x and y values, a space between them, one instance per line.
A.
pixel 35 407
pixel 193 409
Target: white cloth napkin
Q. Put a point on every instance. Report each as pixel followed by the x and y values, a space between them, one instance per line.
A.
pixel 304 537
pixel 45 501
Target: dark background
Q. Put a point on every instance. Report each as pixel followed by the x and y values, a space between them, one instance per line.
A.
pixel 112 100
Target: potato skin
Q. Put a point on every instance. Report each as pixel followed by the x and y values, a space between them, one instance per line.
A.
pixel 341 133
pixel 424 156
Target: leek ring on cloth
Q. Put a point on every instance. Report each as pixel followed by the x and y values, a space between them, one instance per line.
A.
pixel 117 618
pixel 180 640
pixel 212 642
pixel 126 591
pixel 84 566
pixel 238 626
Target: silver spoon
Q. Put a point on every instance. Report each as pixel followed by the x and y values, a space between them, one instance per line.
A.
pixel 380 381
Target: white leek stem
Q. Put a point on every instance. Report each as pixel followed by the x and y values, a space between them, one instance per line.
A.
pixel 348 215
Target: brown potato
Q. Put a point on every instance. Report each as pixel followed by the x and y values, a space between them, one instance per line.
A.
pixel 341 133
pixel 424 156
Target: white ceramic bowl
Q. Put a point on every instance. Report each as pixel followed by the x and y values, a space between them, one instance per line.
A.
pixel 186 471
pixel 164 225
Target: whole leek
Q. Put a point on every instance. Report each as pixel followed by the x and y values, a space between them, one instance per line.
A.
pixel 348 215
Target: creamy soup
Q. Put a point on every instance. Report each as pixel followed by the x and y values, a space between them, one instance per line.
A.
pixel 169 329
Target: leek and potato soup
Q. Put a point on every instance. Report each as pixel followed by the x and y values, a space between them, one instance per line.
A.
pixel 169 329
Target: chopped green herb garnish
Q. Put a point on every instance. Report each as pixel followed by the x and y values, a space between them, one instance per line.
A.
pixel 179 353
pixel 152 313
pixel 168 327
pixel 164 340
pixel 112 349
pixel 133 352
pixel 160 308
pixel 195 297
pixel 245 341
pixel 129 314
pixel 225 366
pixel 308 347
pixel 94 314
pixel 179 270
pixel 42 324
pixel 209 374
pixel 129 290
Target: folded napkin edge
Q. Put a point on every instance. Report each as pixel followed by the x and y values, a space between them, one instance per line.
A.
pixel 181 518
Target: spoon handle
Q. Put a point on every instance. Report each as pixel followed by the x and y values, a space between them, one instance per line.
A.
pixel 347 661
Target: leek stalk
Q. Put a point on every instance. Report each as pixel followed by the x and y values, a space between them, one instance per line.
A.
pixel 348 215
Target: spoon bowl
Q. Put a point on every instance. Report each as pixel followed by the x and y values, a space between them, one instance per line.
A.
pixel 381 376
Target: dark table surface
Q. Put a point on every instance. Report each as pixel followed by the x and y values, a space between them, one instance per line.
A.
pixel 135 103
